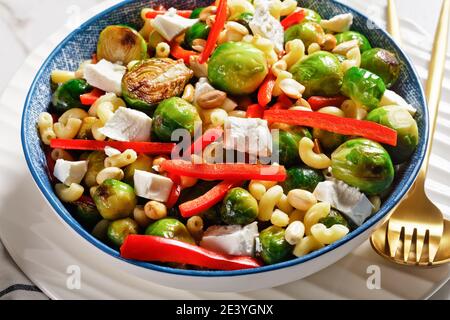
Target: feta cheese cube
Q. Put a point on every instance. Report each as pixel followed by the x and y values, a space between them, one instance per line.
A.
pixel 203 86
pixel 248 135
pixel 234 240
pixel 152 186
pixel 170 25
pixel 339 23
pixel 105 75
pixel 128 125
pixel 69 172
pixel 266 26
pixel 391 98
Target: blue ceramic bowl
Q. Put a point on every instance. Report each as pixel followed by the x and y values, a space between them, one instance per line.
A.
pixel 80 45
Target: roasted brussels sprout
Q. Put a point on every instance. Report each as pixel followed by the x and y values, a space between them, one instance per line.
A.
pixel 302 177
pixel 170 228
pixel 237 68
pixel 114 199
pixel 309 32
pixel 143 163
pixel 320 73
pixel 199 30
pixel 67 96
pixel 328 140
pixel 245 19
pixel 400 120
pixel 363 164
pixel 311 15
pixel 383 63
pixel 86 213
pixel 334 217
pixel 96 163
pixel 364 44
pixel 171 114
pixel 121 44
pixel 196 13
pixel 100 230
pixel 363 87
pixel 239 207
pixel 274 247
pixel 118 230
pixel 143 87
pixel 286 142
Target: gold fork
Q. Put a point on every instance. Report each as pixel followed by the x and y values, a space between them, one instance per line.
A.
pixel 416 217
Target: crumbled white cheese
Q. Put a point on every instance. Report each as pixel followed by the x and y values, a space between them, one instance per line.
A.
pixel 152 186
pixel 105 75
pixel 234 240
pixel 203 86
pixel 348 200
pixel 128 125
pixel 251 135
pixel 339 23
pixel 391 98
pixel 110 151
pixel 69 172
pixel 265 25
pixel 170 25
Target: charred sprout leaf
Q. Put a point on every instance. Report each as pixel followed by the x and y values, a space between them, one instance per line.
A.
pixel 309 32
pixel 383 63
pixel 115 199
pixel 67 96
pixel 151 81
pixel 239 207
pixel 118 230
pixel 334 217
pixel 121 44
pixel 302 178
pixel 364 43
pixel 170 228
pixel 275 248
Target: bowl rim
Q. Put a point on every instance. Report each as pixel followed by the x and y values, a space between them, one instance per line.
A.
pixel 65 215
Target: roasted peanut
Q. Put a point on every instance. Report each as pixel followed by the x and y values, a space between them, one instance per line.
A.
pixel 212 99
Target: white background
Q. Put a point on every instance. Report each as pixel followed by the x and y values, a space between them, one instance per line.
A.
pixel 24 24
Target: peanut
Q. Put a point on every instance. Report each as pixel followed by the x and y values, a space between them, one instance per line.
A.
pixel 212 99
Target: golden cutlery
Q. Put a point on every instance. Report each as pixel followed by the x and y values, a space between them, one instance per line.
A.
pixel 393 25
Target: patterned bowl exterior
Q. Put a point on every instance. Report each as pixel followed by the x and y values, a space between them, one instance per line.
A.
pixel 80 45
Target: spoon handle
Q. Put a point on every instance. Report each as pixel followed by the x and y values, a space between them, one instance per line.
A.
pixel 393 25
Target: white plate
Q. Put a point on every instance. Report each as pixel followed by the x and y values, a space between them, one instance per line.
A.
pixel 45 249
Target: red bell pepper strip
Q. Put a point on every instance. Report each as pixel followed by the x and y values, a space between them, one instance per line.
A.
pixel 153 248
pixel 141 147
pixel 88 99
pixel 206 139
pixel 255 111
pixel 175 192
pixel 317 102
pixel 225 171
pixel 94 58
pixel 266 89
pixel 179 52
pixel 278 106
pixel 219 24
pixel 345 126
pixel 284 99
pixel 152 14
pixel 294 18
pixel 207 200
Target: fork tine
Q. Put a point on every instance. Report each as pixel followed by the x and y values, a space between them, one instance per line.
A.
pixel 393 233
pixel 420 238
pixel 433 246
pixel 407 241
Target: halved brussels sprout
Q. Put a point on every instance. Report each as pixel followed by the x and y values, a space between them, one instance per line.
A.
pixel 170 228
pixel 364 43
pixel 118 230
pixel 199 30
pixel 143 163
pixel 114 199
pixel 151 81
pixel 363 87
pixel 239 207
pixel 363 164
pixel 302 177
pixel 311 15
pixel 320 73
pixel 383 63
pixel 67 95
pixel 286 142
pixel 274 246
pixel 237 68
pixel 121 44
pixel 309 32
pixel 96 163
pixel 196 13
pixel 400 120
pixel 334 217
pixel 87 214
pixel 171 114
pixel 154 38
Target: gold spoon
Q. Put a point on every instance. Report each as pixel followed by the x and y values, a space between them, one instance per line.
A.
pixel 416 220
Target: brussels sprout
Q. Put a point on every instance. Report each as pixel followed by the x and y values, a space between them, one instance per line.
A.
pixel 309 32
pixel 85 131
pixel 364 44
pixel 151 81
pixel 274 247
pixel 237 68
pixel 302 178
pixel 121 43
pixel 328 140
pixel 245 19
pixel 239 207
pixel 143 163
pixel 154 38
pixel 311 15
pixel 171 114
pixel 199 30
pixel 86 213
pixel 383 63
pixel 67 96
pixel 96 163
pixel 334 217
pixel 286 142
pixel 320 73
pixel 118 230
pixel 100 230
pixel 196 13
pixel 400 120
pixel 114 199
pixel 363 87
pixel 363 164
pixel 170 228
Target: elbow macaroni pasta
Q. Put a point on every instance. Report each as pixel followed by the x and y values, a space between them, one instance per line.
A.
pixel 295 51
pixel 314 214
pixel 61 76
pixel 268 202
pixel 68 130
pixel 76 113
pixel 310 158
pixel 109 97
pixel 306 245
pixel 256 189
pixel 288 7
pixel 284 204
pixel 328 235
pixel 121 160
pixel 301 199
pixel 162 50
pixel 109 173
pixel 45 126
pixel 69 194
pixel 279 218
